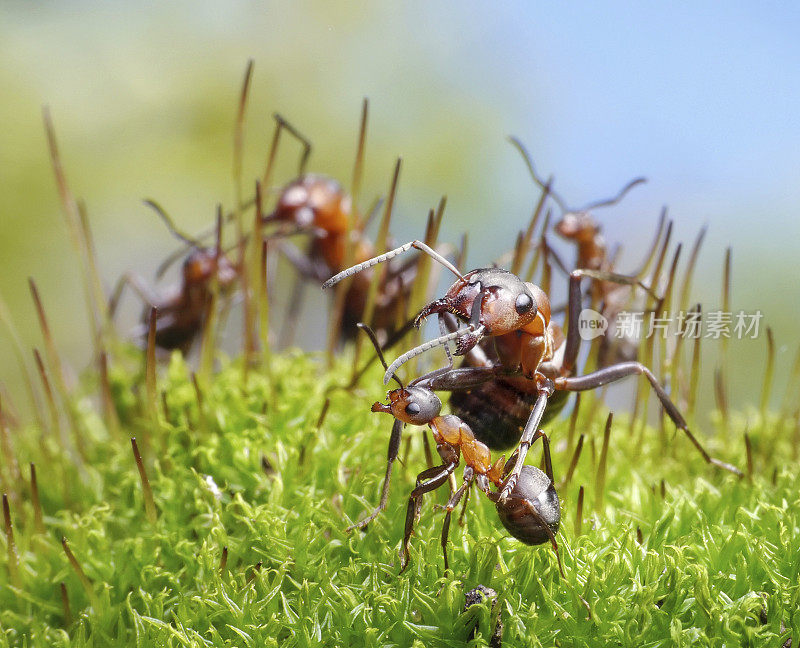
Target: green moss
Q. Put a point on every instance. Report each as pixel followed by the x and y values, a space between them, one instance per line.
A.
pixel 718 563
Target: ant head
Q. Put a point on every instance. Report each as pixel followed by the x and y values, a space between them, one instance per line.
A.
pixel 494 301
pixel 414 405
pixel 313 202
pixel 201 264
pixel 577 225
pixel 532 504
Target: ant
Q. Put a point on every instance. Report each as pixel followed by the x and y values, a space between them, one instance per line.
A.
pixel 531 512
pixel 181 312
pixel 532 353
pixel 579 226
pixel 317 206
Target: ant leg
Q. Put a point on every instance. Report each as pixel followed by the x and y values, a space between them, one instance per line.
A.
pixel 623 369
pixel 304 141
pixel 575 303
pixel 548 464
pixel 463 513
pixel 300 261
pixel 458 379
pixel 532 510
pixel 138 286
pixel 529 435
pixel 455 498
pixel 427 481
pixel 394 448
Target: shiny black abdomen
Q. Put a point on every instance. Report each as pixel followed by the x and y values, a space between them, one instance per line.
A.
pixel 497 411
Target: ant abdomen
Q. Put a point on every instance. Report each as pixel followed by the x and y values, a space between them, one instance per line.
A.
pixel 497 411
pixel 532 504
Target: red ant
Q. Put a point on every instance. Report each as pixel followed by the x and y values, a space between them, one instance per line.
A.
pixel 317 206
pixel 531 511
pixel 579 226
pixel 531 353
pixel 181 312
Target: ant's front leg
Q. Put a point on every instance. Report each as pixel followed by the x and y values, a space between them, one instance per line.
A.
pixel 455 498
pixel 461 378
pixel 138 285
pixel 427 481
pixel 622 370
pixel 394 448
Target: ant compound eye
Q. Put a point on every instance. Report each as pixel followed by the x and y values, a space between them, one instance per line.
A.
pixel 412 409
pixel 523 304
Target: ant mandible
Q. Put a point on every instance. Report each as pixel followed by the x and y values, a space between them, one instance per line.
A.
pixel 181 312
pixel 530 349
pixel 531 512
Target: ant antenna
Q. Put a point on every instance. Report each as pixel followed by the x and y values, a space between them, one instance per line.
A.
pixel 374 339
pixel 181 236
pixel 613 201
pixel 606 202
pixel 419 245
pixel 306 143
pixel 427 346
pixel 544 186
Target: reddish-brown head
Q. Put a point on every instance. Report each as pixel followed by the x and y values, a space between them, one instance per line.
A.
pixel 314 202
pixel 200 265
pixel 577 226
pixel 507 303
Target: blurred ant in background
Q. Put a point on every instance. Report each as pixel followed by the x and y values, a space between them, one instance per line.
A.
pixel 317 207
pixel 531 511
pixel 579 227
pixel 181 312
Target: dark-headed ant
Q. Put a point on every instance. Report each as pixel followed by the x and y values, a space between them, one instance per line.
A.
pixel 181 312
pixel 531 512
pixel 530 352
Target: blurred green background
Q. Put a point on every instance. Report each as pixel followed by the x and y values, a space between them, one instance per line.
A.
pixel 701 99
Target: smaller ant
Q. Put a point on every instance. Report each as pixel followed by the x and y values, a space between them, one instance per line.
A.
pixel 531 511
pixel 579 226
pixel 181 312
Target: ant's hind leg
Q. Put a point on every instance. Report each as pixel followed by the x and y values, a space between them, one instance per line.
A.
pixel 622 370
pixel 394 448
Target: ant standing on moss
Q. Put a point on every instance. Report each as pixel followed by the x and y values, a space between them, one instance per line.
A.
pixel 531 512
pixel 181 312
